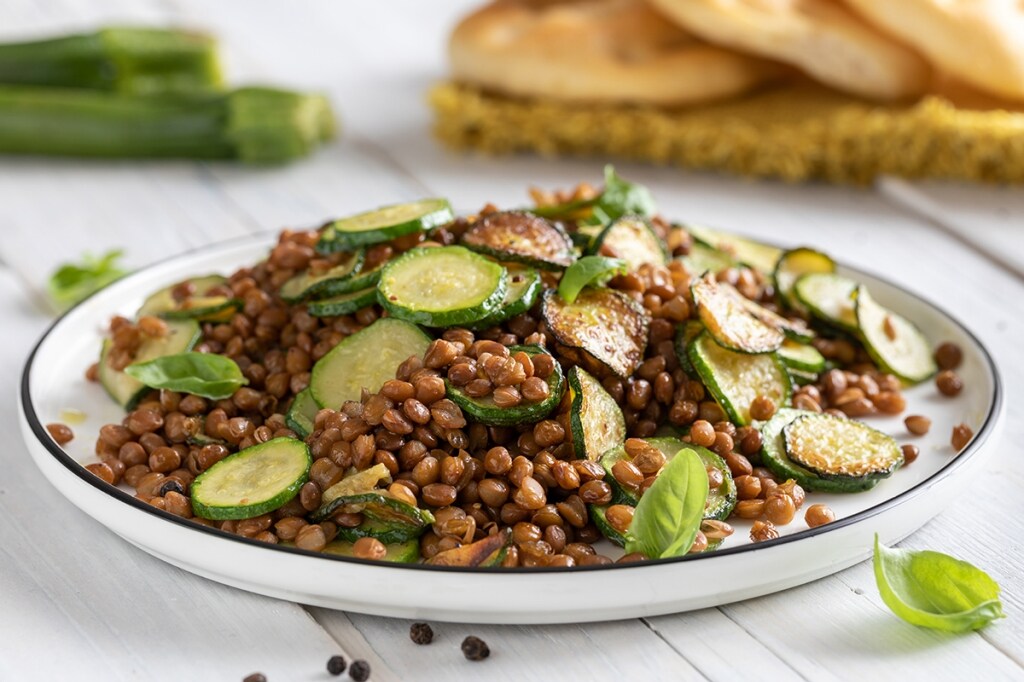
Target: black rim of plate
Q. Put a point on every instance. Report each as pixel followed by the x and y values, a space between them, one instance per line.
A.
pixel 79 470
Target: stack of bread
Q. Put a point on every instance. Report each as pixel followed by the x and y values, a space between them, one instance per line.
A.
pixel 840 90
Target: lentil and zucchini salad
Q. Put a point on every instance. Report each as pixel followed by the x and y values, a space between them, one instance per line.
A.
pixel 511 388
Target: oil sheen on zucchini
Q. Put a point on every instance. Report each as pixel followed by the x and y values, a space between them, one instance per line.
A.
pixel 735 379
pixel 521 238
pixel 485 411
pixel 606 324
pixel 726 316
pixel 839 448
pixel 442 286
pixel 181 336
pixel 596 423
pixel 384 224
pixel 631 239
pixel 366 359
pixel 774 457
pixel 703 258
pixel 893 341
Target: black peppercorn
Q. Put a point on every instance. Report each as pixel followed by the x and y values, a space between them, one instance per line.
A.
pixel 421 633
pixel 359 671
pixel 475 649
pixel 336 665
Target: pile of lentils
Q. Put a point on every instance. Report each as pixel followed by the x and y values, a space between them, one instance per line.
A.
pixel 476 479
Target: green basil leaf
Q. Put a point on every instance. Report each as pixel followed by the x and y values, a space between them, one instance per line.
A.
pixel 669 514
pixel 934 590
pixel 72 282
pixel 589 270
pixel 621 198
pixel 204 374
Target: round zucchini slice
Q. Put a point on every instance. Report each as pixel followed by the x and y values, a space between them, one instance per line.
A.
pixel 201 305
pixel 596 423
pixel 835 447
pixel 485 411
pixel 343 304
pixel 605 324
pixel 703 258
pixel 792 265
pixel 829 297
pixel 445 286
pixel 801 356
pixel 727 317
pixel 127 391
pixel 522 238
pixel 253 481
pixel 773 456
pixel 366 359
pixel 631 239
pixel 302 413
pixel 524 287
pixel 384 224
pixel 893 341
pixel 761 257
pixel 308 284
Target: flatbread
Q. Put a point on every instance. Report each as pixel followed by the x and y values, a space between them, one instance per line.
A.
pixel 596 51
pixel 981 42
pixel 821 37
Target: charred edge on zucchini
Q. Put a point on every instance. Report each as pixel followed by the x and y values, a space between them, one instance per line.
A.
pixel 840 448
pixel 725 314
pixel 631 239
pixel 522 238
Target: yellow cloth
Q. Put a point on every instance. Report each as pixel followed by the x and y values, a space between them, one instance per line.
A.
pixel 795 132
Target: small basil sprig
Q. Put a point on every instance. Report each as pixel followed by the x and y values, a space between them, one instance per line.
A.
pixel 618 198
pixel 586 271
pixel 73 282
pixel 669 514
pixel 934 590
pixel 203 374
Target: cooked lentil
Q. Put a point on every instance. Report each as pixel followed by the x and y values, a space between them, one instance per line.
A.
pixel 962 435
pixel 818 515
pixel 910 453
pixel 949 383
pixel 61 433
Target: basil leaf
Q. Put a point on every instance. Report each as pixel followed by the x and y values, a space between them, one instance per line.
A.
pixel 589 270
pixel 669 514
pixel 622 198
pixel 934 590
pixel 73 282
pixel 204 374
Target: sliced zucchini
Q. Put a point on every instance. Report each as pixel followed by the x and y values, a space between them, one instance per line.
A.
pixel 685 333
pixel 521 238
pixel 828 297
pixel 363 279
pixel 524 286
pixel 357 482
pixel 391 519
pixel 631 239
pixel 484 553
pixel 584 236
pixel 773 456
pixel 366 359
pixel 835 447
pixel 802 378
pixel 735 379
pixel 127 391
pixel 443 286
pixel 893 341
pixel 606 324
pixel 201 438
pixel 201 305
pixel 384 224
pixel 302 413
pixel 486 412
pixel 599 515
pixel 792 265
pixel 307 284
pixel 253 481
pixel 343 304
pixel 727 317
pixel 407 552
pixel 596 423
pixel 761 257
pixel 801 356
pixel 703 258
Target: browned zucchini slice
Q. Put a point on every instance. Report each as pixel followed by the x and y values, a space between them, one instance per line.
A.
pixel 841 448
pixel 632 240
pixel 522 238
pixel 608 325
pixel 728 318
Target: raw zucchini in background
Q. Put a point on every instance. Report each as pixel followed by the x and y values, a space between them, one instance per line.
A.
pixel 524 286
pixel 735 379
pixel 895 344
pixel 200 305
pixel 829 298
pixel 127 391
pixel 632 240
pixel 486 412
pixel 606 325
pixel 365 359
pixel 840 448
pixel 596 423
pixel 446 286
pixel 521 238
pixel 384 224
pixel 307 284
pixel 761 257
pixel 725 315
pixel 792 265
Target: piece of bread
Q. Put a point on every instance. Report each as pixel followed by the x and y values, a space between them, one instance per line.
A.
pixel 821 37
pixel 981 42
pixel 596 51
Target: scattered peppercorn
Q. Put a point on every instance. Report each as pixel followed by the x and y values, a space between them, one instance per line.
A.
pixel 475 649
pixel 359 671
pixel 255 677
pixel 421 633
pixel 336 665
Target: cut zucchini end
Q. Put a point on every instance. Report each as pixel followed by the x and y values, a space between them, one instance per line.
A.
pixel 485 411
pixel 833 447
pixel 595 419
pixel 895 344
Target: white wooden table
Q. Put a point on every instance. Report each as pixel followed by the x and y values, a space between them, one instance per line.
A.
pixel 76 602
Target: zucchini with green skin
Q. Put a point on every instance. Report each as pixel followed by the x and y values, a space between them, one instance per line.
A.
pixel 606 325
pixel 302 413
pixel 703 258
pixel 895 344
pixel 841 449
pixel 725 314
pixel 596 423
pixel 444 286
pixel 343 304
pixel 792 265
pixel 384 224
pixel 521 238
pixel 253 481
pixel 307 284
pixel 201 304
pixel 775 458
pixel 599 515
pixel 802 357
pixel 407 552
pixel 735 379
pixel 524 286
pixel 127 391
pixel 365 359
pixel 386 518
pixel 829 298
pixel 685 333
pixel 485 411
pixel 761 257
pixel 631 239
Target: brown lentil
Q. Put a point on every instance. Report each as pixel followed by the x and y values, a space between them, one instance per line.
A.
pixel 949 383
pixel 910 453
pixel 61 433
pixel 948 356
pixel 917 424
pixel 762 531
pixel 818 515
pixel 962 435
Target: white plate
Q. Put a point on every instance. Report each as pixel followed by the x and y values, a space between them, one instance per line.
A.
pixel 53 381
